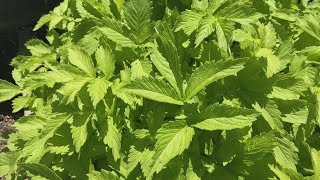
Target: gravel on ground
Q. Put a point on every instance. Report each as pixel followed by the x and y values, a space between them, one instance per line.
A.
pixel 6 123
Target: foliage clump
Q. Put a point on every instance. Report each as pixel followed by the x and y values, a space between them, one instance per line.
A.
pixel 156 89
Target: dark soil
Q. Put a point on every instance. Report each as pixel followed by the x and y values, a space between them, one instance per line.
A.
pixel 6 123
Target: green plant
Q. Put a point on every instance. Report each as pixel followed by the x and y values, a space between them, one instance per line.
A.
pixel 189 89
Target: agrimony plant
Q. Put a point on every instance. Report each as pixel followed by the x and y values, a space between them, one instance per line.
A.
pixel 184 89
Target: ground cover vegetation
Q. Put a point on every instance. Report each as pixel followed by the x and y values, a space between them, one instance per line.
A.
pixel 182 89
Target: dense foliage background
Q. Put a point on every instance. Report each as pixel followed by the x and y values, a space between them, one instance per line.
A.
pixel 144 89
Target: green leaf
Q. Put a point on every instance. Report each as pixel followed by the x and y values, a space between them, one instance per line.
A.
pixel 117 37
pixel 113 138
pixel 42 21
pixel 146 161
pixel 173 138
pixel 154 89
pixel 140 68
pixel 35 148
pixel 224 117
pixel 239 12
pixel 191 174
pixel 271 114
pixel 98 89
pixel 212 71
pixel 310 24
pixel 71 89
pixel 53 122
pixel 315 160
pixel 61 74
pixel 28 127
pixel 8 91
pixel 163 66
pixel 90 42
pixel 241 36
pixel 268 36
pixel 40 170
pixel 53 19
pixel 134 158
pixel 273 142
pixel 62 7
pixel 206 27
pixel 38 47
pixel 199 5
pixel 287 88
pixel 213 6
pixel 20 103
pixel 103 175
pixel 295 111
pixel 83 61
pixel 282 93
pixel 189 21
pixel 285 174
pixel 169 46
pixel 222 41
pixel 273 64
pixel 317 98
pixel 79 130
pixel 28 63
pixel 105 61
pixel 119 4
pixel 93 9
pixel 127 97
pixel 6 164
pixel 138 17
pixel 313 54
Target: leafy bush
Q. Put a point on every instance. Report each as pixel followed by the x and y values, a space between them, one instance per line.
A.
pixel 141 89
